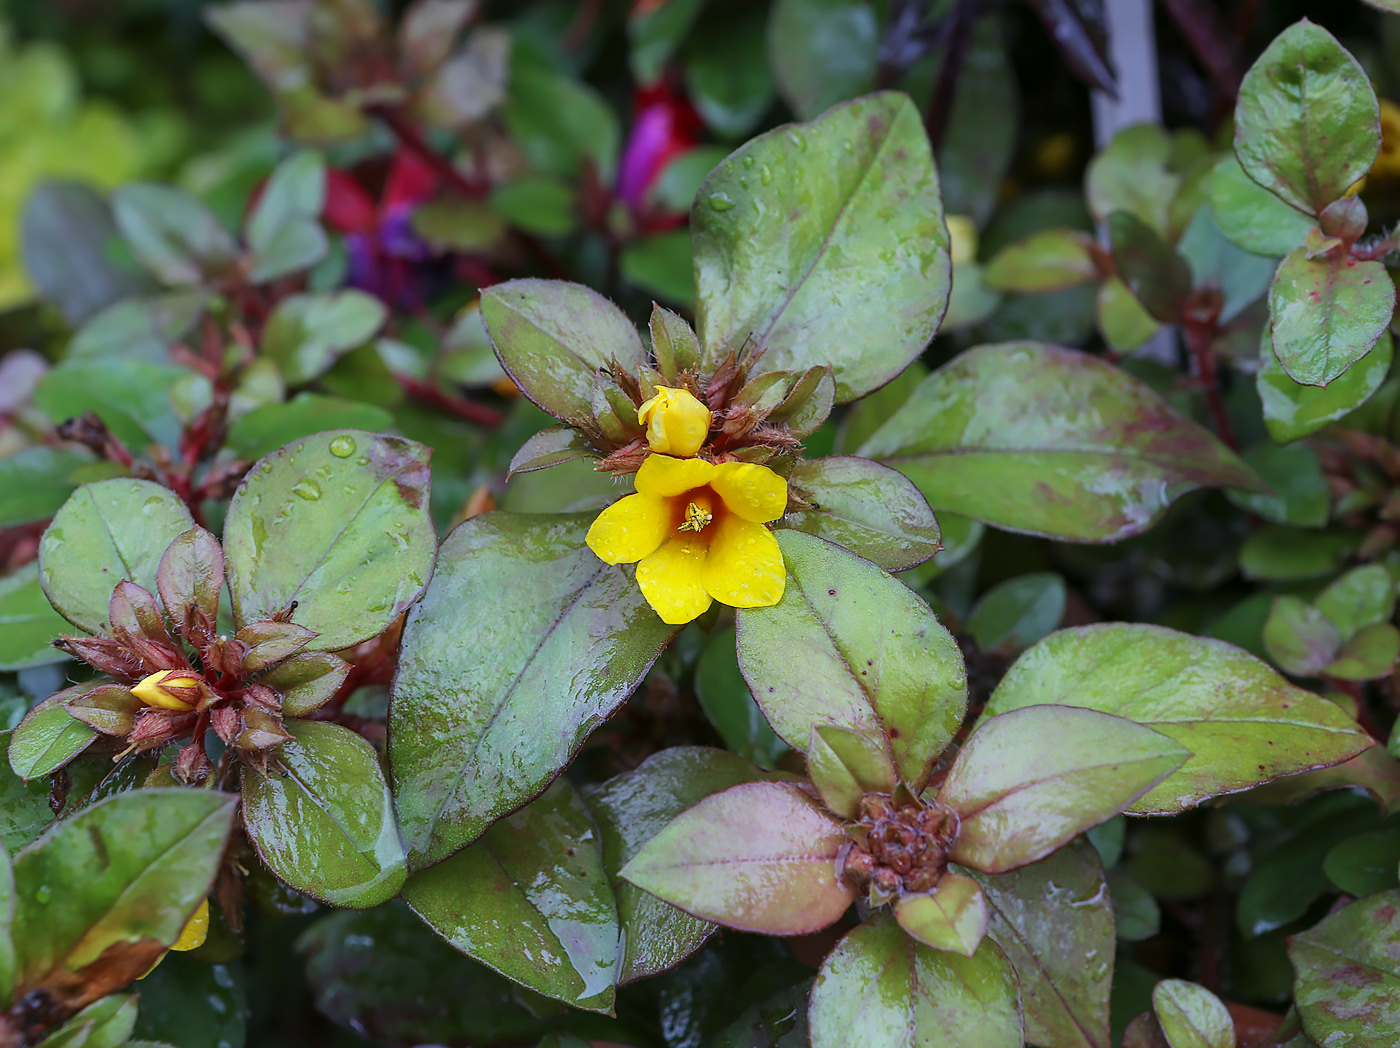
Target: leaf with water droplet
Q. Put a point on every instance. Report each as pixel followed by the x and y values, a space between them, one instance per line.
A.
pixel 332 547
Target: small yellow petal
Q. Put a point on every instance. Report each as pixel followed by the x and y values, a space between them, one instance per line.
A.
pixel 196 929
pixel 154 690
pixel 665 477
pixel 670 580
pixel 677 422
pixel 630 528
pixel 745 566
pixel 751 491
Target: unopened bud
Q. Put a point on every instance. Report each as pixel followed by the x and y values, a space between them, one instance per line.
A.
pixel 677 422
pixel 178 690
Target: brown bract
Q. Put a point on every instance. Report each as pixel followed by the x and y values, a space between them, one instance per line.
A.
pixel 897 850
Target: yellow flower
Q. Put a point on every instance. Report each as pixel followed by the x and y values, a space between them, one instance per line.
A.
pixel 697 530
pixel 176 690
pixel 962 239
pixel 192 935
pixel 1387 164
pixel 677 423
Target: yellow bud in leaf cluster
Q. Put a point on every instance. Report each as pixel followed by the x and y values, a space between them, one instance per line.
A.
pixel 1387 163
pixel 178 690
pixel 677 422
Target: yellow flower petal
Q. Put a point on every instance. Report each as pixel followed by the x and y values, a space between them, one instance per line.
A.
pixel 196 929
pixel 664 477
pixel 752 491
pixel 670 579
pixel 677 422
pixel 630 528
pixel 745 565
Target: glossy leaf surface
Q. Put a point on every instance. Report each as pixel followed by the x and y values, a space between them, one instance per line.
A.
pixel 849 645
pixel 1327 313
pixel 48 737
pixel 28 622
pixel 1191 1016
pixel 759 857
pixel 487 708
pixel 1242 722
pixel 951 917
pixel 1049 441
pixel 870 509
pixel 824 243
pixel 1293 410
pixel 1348 975
pixel 338 523
pixel 322 820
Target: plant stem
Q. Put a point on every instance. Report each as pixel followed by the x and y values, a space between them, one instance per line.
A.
pixel 461 407
pixel 940 107
pixel 412 139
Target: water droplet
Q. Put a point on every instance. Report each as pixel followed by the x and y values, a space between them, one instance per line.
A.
pixel 748 160
pixel 720 202
pixel 343 447
pixel 767 175
pixel 308 489
pixel 267 467
pixel 43 894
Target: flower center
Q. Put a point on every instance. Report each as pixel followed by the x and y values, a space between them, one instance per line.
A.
pixel 697 515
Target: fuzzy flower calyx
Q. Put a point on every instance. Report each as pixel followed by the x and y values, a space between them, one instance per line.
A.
pixel 695 530
pixel 677 422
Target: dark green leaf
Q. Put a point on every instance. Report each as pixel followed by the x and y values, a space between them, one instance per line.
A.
pixel 1018 612
pixel 871 510
pixel 1365 864
pixel 822 51
pixel 27 622
pixel 1278 554
pixel 175 236
pixel 193 1004
pixel 724 696
pixel 727 74
pixel 265 429
pixel 562 125
pixel 661 264
pixel 1300 494
pixel 1156 275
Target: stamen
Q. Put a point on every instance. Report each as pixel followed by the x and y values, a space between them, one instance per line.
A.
pixel 695 518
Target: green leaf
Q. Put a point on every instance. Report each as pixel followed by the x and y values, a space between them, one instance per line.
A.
pixel 1124 323
pixel 68 239
pixel 727 75
pixel 265 429
pixel 193 1004
pixel 1293 410
pixel 1299 637
pixel 1348 974
pixel 48 738
pixel 1279 554
pixel 822 51
pixel 104 892
pixel 7 917
pixel 842 210
pixel 725 698
pixel 1362 597
pixel 1051 260
pixel 1049 441
pixel 953 916
pixel 140 328
pixel 632 808
pixel 307 333
pixel 562 125
pixel 879 987
pixel 1369 655
pixel 1018 612
pixel 871 510
pixel 553 337
pixel 758 857
pixel 655 31
pixel 1054 921
pixel 537 204
pixel 850 646
pixel 1243 723
pixel 540 872
pixel 1019 800
pixel 1327 313
pixel 339 524
pixel 1133 174
pixel 322 819
pixel 1253 217
pixel 1135 911
pixel 661 264
pixel 107 531
pixel 1300 494
pixel 1307 124
pixel 36 481
pixel 175 236
pixel 1157 276
pixel 106 1023
pixel 28 624
pixel 845 765
pixel 1192 1016
pixel 306 681
pixel 1217 262
pixel 1365 864
pixel 459 224
pixel 131 397
pixel 283 228
pixel 488 708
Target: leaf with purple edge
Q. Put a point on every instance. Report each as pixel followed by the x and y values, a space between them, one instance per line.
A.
pixel 953 916
pixel 845 765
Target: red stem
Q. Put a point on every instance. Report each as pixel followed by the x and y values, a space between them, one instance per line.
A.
pixel 1198 342
pixel 427 393
pixel 412 139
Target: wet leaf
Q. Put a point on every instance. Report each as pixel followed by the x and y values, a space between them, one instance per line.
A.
pixel 758 857
pixel 1252 216
pixel 1051 260
pixel 488 708
pixel 1307 124
pixel 128 869
pixel 48 737
pixel 953 916
pixel 725 698
pixel 822 51
pixel 1157 276
pixel 321 817
pixel 824 244
pixel 1327 313
pixel 1018 612
pixel 1242 722
pixel 343 517
pixel 1299 637
pixel 27 622
pixel 850 646
pixel 1054 920
pixel 306 681
pixel 540 873
pixel 873 511
pixel 1019 800
pixel 1348 978
pixel 107 531
pixel 552 338
pixel 881 987
pixel 844 765
pixel 383 974
pixel 1192 1016
pixel 174 235
pixel 1049 441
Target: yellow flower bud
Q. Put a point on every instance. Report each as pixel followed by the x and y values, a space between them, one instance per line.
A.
pixel 1387 163
pixel 677 423
pixel 178 690
pixel 962 235
pixel 195 931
